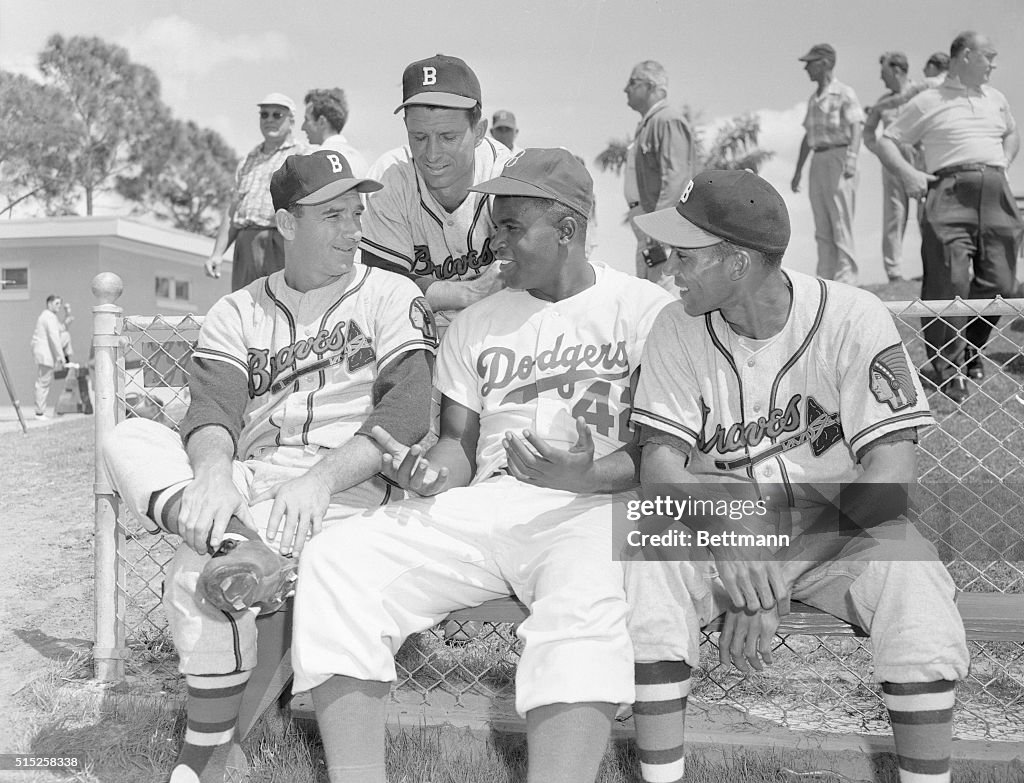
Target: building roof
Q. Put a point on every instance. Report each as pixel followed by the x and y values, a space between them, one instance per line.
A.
pixel 106 226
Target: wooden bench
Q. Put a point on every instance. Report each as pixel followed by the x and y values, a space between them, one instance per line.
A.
pixel 988 617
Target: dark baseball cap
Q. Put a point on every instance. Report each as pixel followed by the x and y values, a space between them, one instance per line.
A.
pixel 545 173
pixel 315 179
pixel 503 119
pixel 735 206
pixel 820 52
pixel 441 81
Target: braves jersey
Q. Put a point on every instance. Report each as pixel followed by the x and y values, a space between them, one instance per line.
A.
pixel 525 363
pixel 405 225
pixel 311 358
pixel 796 407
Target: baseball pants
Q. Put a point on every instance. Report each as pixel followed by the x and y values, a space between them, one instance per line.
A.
pixel 143 457
pixel 44 378
pixel 970 237
pixel 833 199
pixel 368 584
pixel 258 252
pixel 896 589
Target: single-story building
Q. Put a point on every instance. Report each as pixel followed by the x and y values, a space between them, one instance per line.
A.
pixel 162 270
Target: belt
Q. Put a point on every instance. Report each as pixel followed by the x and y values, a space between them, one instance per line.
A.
pixel 823 147
pixel 960 168
pixel 633 204
pixel 253 227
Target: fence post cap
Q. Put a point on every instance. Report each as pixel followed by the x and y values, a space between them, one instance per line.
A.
pixel 107 287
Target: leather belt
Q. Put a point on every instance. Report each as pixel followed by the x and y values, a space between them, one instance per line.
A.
pixel 960 168
pixel 633 204
pixel 824 147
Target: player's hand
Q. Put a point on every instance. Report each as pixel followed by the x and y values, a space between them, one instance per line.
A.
pixel 300 504
pixel 795 184
pixel 752 577
pixel 746 639
pixel 407 466
pixel 916 182
pixel 545 466
pixel 486 284
pixel 213 266
pixel 207 505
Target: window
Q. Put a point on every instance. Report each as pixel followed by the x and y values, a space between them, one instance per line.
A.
pixel 173 290
pixel 13 282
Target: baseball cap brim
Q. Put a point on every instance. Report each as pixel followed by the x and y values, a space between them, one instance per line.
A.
pixel 670 228
pixel 334 189
pixel 443 100
pixel 509 186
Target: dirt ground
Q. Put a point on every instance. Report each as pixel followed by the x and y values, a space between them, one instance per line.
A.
pixel 46 589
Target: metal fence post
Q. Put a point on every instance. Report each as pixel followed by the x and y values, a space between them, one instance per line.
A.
pixel 109 651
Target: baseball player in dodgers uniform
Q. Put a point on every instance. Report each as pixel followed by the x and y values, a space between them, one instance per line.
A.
pixel 426 223
pixel 289 375
pixel 783 385
pixel 502 511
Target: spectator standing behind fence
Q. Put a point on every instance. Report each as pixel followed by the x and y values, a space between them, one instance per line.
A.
pixel 663 159
pixel 48 350
pixel 505 130
pixel 287 379
pixel 326 116
pixel 833 125
pixel 783 388
pixel 894 74
pixel 971 228
pixel 249 220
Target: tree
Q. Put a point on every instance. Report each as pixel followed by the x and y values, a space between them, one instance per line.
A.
pixel 115 109
pixel 735 146
pixel 187 177
pixel 35 128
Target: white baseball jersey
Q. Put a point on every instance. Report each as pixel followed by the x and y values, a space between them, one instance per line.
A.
pixel 525 363
pixel 311 359
pixel 796 407
pixel 405 225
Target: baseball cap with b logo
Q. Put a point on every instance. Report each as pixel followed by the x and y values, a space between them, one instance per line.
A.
pixel 315 179
pixel 555 174
pixel 441 81
pixel 735 206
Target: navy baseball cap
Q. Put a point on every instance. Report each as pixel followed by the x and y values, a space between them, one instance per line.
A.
pixel 315 179
pixel 716 206
pixel 441 81
pixel 545 173
pixel 503 119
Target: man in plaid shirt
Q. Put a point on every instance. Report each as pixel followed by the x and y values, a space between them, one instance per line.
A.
pixel 249 220
pixel 834 126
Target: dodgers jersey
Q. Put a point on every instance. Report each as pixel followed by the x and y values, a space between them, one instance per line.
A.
pixel 796 407
pixel 525 363
pixel 405 225
pixel 311 358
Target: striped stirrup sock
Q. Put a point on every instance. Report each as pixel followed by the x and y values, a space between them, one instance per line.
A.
pixel 921 714
pixel 659 715
pixel 213 702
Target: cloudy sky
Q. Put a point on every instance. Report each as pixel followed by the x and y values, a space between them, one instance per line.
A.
pixel 560 65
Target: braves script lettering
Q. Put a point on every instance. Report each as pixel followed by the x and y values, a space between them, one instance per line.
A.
pixel 423 266
pixel 264 368
pixel 738 436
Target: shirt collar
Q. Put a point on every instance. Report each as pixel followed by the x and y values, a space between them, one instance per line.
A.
pixel 953 83
pixel 657 106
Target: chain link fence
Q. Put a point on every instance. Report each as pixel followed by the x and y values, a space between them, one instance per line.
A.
pixel 970 500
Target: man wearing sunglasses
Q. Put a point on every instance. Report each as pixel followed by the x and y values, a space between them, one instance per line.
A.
pixel 249 220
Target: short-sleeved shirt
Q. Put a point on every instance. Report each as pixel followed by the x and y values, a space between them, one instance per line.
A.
pixel 255 208
pixel 831 116
pixel 956 125
pixel 796 408
pixel 310 359
pixel 523 362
